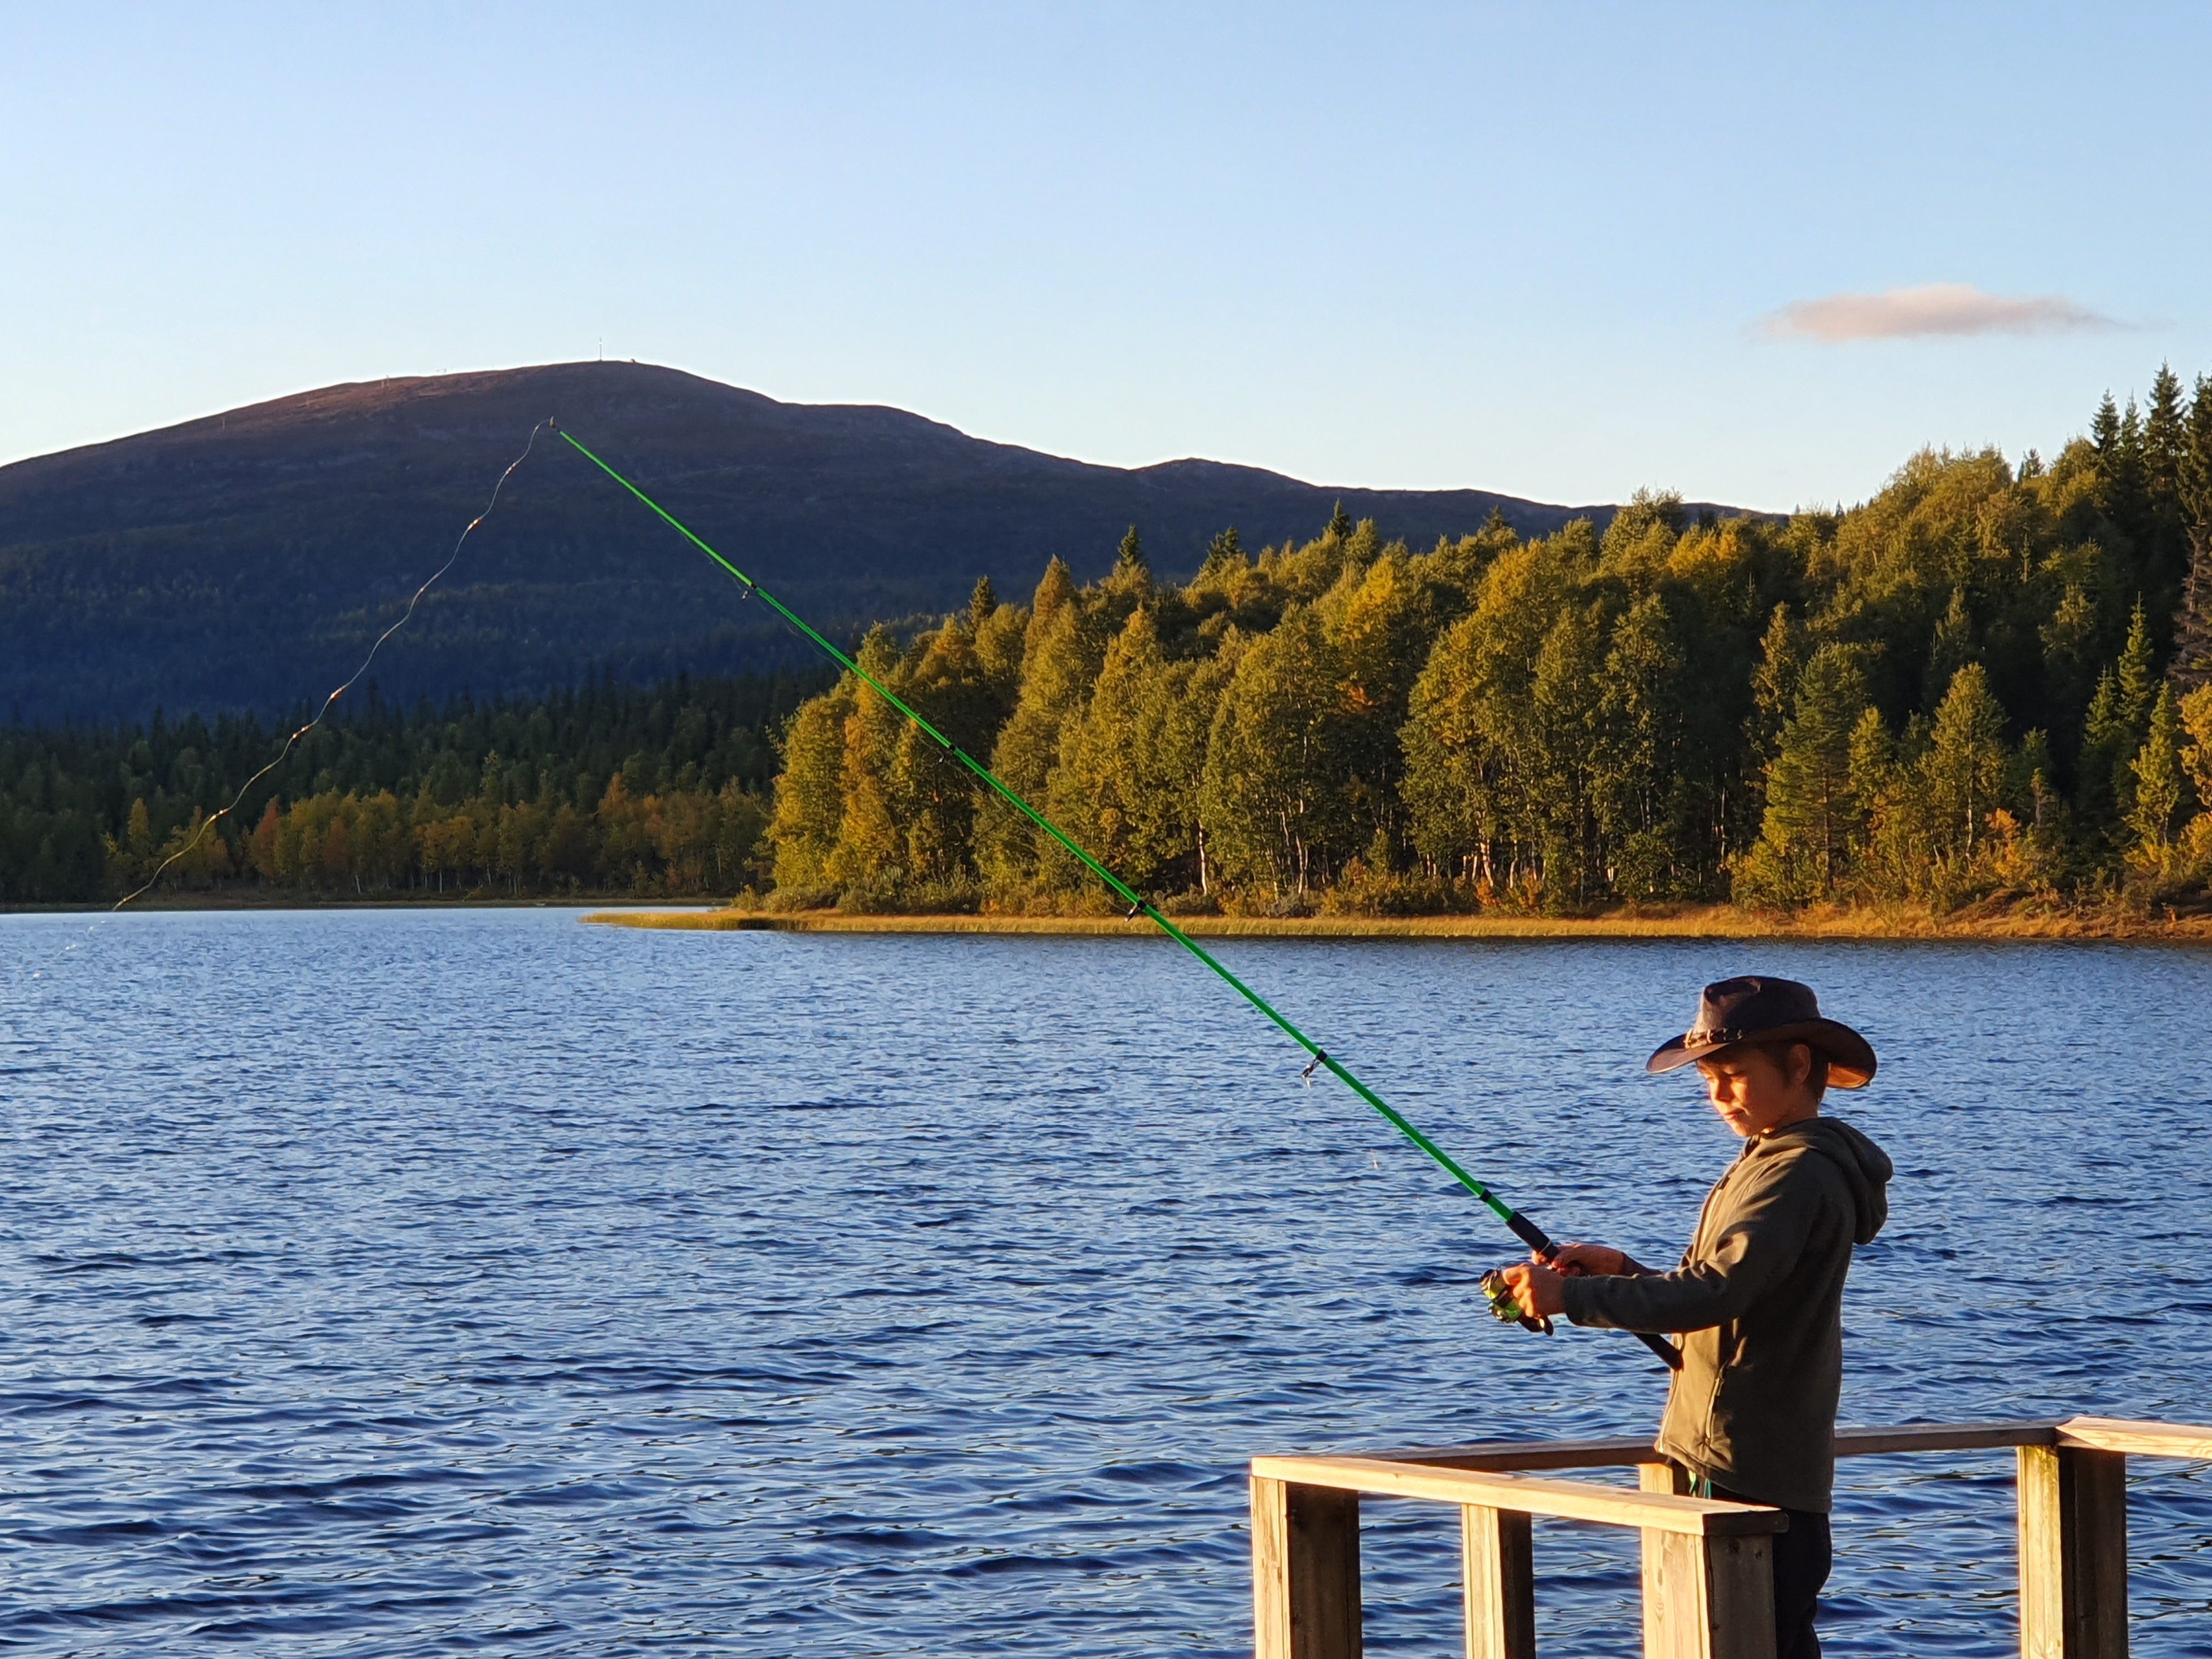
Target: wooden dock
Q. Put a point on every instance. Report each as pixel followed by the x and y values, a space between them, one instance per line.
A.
pixel 1708 1571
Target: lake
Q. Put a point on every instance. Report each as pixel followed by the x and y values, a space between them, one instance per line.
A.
pixel 384 1283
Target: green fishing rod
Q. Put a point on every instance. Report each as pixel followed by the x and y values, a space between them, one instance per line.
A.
pixel 1526 1231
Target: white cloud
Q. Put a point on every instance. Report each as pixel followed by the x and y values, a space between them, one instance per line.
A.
pixel 1937 308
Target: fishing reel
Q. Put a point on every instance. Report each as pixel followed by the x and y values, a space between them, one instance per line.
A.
pixel 1505 1307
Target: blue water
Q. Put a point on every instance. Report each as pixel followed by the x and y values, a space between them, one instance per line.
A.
pixel 412 1284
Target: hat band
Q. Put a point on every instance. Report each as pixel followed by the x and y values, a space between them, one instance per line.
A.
pixel 1716 1036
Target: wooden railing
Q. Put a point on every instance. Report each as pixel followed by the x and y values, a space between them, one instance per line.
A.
pixel 1708 1566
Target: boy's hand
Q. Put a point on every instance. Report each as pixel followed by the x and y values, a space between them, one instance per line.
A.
pixel 1540 1291
pixel 1577 1260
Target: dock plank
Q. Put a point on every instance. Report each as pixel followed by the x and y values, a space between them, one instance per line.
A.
pixel 1511 1456
pixel 1563 1500
pixel 2117 1434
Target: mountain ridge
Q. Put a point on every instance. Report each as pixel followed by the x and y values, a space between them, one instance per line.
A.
pixel 244 560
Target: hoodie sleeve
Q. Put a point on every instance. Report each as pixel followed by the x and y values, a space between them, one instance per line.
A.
pixel 1764 1233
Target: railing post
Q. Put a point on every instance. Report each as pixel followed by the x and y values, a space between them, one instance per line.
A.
pixel 2073 1553
pixel 1305 1571
pixel 1708 1598
pixel 1499 1572
pixel 1672 1479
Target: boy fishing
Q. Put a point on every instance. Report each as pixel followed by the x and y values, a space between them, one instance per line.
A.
pixel 1758 1298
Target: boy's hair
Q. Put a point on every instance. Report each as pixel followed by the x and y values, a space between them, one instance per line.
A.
pixel 1816 1079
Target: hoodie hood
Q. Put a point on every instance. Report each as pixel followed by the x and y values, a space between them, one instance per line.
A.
pixel 1866 1168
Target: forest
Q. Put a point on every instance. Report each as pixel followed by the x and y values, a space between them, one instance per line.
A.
pixel 1987 683
pixel 608 789
pixel 1991 684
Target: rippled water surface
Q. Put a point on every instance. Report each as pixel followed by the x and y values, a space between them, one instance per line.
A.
pixel 419 1283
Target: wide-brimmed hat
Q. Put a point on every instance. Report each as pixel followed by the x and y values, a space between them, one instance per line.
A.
pixel 1756 1009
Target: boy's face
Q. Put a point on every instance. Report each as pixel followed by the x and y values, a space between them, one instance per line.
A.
pixel 1753 1093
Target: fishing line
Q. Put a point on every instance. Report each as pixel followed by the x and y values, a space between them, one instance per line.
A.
pixel 292 742
pixel 1523 1229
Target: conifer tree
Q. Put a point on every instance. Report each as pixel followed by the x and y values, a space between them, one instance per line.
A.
pixel 2135 681
pixel 2068 636
pixel 1000 641
pixel 1774 685
pixel 2165 437
pixel 2103 740
pixel 1893 859
pixel 2113 727
pixel 1131 554
pixel 2160 786
pixel 2192 633
pixel 1055 589
pixel 2105 429
pixel 870 851
pixel 1814 815
pixel 2137 673
pixel 1952 646
pixel 2120 467
pixel 1128 585
pixel 1964 770
pixel 1224 551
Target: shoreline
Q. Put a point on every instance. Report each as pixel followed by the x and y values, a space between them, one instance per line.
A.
pixel 189 903
pixel 1717 921
pixel 1978 923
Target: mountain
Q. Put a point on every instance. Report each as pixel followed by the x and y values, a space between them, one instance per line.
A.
pixel 248 560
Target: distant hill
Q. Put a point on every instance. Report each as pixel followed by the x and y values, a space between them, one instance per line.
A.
pixel 246 560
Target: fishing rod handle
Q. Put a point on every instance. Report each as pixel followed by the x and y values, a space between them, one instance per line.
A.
pixel 1533 1236
pixel 1540 1242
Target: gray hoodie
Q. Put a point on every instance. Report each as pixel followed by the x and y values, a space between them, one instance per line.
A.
pixel 1759 1298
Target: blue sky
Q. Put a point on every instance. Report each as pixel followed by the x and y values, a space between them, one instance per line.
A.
pixel 1549 251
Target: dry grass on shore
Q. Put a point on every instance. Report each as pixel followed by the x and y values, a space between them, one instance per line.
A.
pixel 1704 921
